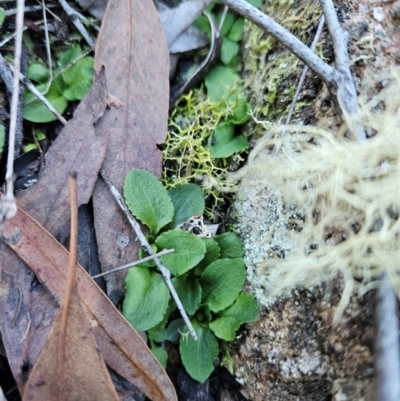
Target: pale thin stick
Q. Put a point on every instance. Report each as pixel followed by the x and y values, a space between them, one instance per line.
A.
pixel 387 343
pixel 33 89
pixel 8 205
pixel 322 69
pixel 133 264
pixel 77 22
pixel 301 82
pixel 347 93
pixel 339 77
pixel 27 9
pixel 143 241
pixel 48 52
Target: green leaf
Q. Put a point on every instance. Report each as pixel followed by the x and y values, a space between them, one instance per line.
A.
pixel 38 72
pixel 229 50
pixel 37 112
pixel 188 200
pixel 2 138
pixel 255 3
pixel 228 22
pixel 212 254
pixel 243 310
pixel 203 24
pixel 219 82
pixel 2 17
pixel 203 315
pixel 198 356
pixel 189 291
pixel 146 298
pixel 224 143
pixel 158 333
pixel 148 200
pixel 221 282
pixel 75 83
pixel 236 31
pixel 230 245
pixel 240 113
pixel 189 250
pixel 174 330
pixel 143 254
pixel 160 353
pixel 69 56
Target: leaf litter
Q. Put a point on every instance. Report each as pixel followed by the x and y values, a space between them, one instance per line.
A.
pixel 135 52
pixel 69 366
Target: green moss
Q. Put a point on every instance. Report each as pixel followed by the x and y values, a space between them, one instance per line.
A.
pixel 186 155
pixel 271 72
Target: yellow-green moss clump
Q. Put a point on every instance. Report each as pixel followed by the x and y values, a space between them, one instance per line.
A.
pixel 186 154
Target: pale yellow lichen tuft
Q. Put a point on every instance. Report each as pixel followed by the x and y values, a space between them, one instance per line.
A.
pixel 347 192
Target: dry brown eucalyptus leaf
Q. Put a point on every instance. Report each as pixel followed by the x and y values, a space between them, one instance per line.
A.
pixel 69 366
pixel 121 346
pixel 132 47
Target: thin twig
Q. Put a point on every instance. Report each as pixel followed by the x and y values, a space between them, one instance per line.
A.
pixel 33 89
pixel 322 69
pixel 301 82
pixel 339 78
pixel 387 343
pixel 77 22
pixel 133 264
pixel 347 93
pixel 8 205
pixel 143 241
pixel 48 52
pixel 27 9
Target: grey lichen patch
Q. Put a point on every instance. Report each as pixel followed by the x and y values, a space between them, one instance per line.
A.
pixel 268 229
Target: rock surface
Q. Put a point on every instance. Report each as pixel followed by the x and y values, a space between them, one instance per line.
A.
pixel 294 352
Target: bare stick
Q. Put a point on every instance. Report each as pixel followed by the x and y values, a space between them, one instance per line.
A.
pixel 77 22
pixel 143 241
pixel 8 205
pixel 322 69
pixel 387 344
pixel 48 52
pixel 347 94
pixel 33 89
pixel 301 82
pixel 133 264
pixel 339 78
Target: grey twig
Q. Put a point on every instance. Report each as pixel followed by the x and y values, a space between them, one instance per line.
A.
pixel 340 77
pixel 133 264
pixel 27 9
pixel 8 205
pixel 32 88
pixel 346 90
pixel 322 69
pixel 301 81
pixel 77 22
pixel 387 344
pixel 143 241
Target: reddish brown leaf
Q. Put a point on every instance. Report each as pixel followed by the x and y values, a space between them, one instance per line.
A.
pixel 121 346
pixel 132 47
pixel 69 366
pixel 26 308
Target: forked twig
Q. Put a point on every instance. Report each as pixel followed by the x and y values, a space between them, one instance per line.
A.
pixel 338 78
pixel 145 244
pixel 133 264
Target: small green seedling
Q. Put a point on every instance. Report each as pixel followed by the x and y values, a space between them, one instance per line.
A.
pixel 208 275
pixel 71 80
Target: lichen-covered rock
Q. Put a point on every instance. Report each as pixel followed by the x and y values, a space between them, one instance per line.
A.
pixel 295 352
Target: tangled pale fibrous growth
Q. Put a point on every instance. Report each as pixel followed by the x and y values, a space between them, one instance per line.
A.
pixel 348 193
